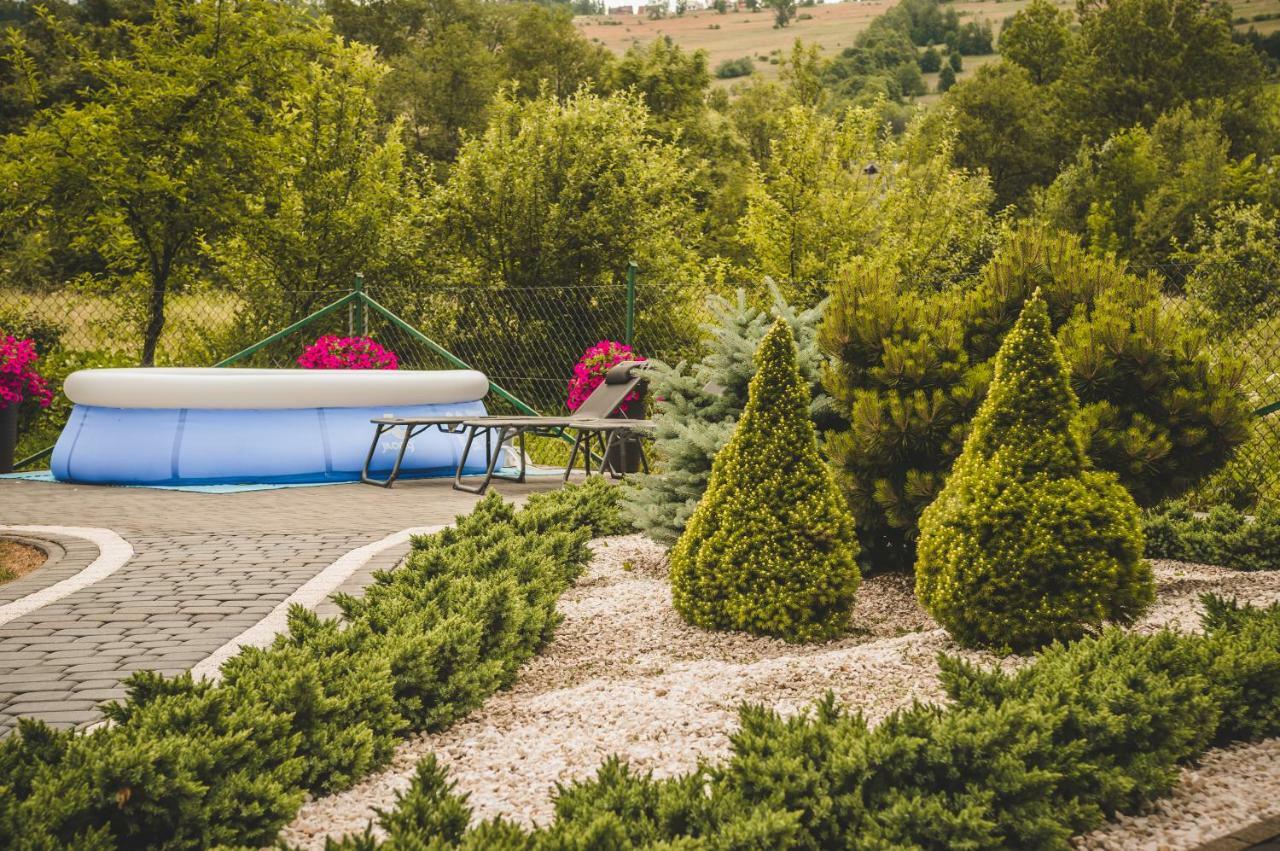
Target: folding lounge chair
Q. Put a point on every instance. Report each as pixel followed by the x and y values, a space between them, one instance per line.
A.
pixel 593 418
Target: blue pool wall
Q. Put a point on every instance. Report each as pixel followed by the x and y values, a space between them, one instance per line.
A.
pixel 201 446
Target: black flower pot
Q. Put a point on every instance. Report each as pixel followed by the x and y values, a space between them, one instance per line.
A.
pixel 8 437
pixel 624 454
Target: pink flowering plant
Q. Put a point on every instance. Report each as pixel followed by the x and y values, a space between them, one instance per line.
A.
pixel 18 377
pixel 334 352
pixel 591 368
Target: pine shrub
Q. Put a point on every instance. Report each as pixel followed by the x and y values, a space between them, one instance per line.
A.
pixel 1026 543
pixel 910 367
pixel 696 408
pixel 770 548
pixel 902 377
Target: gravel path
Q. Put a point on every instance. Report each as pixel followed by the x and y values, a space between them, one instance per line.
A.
pixel 626 675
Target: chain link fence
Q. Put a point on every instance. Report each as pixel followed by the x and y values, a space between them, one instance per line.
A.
pixel 525 339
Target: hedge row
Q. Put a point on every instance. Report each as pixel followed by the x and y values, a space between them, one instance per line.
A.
pixel 194 765
pixel 1022 760
pixel 1224 536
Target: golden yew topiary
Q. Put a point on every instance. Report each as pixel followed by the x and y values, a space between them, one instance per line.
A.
pixel 771 547
pixel 1026 543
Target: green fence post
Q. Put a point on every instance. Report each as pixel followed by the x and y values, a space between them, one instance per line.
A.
pixel 631 303
pixel 357 307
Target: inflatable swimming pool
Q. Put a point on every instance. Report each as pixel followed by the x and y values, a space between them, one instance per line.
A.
pixel 156 426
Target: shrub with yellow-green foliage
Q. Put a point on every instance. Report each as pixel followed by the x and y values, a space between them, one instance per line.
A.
pixel 771 547
pixel 1027 543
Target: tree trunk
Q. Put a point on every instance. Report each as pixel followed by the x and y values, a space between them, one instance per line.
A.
pixel 155 312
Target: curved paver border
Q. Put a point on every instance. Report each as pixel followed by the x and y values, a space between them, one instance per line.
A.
pixel 312 593
pixel 114 553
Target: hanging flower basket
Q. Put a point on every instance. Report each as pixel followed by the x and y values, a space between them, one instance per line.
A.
pixel 590 370
pixel 19 381
pixel 334 352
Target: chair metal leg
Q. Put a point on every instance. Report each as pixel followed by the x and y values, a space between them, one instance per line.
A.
pixel 493 459
pixel 378 431
pixel 573 454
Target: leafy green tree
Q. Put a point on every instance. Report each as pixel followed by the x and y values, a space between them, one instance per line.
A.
pixel 1139 59
pixel 770 548
pixel 931 60
pixel 449 57
pixel 831 191
pixel 673 82
pixel 881 63
pixel 1236 266
pixel 972 39
pixel 542 48
pixel 1140 193
pixel 389 25
pixel 168 147
pixel 946 79
pixel 585 189
pixel 586 186
pixel 442 84
pixel 338 200
pixel 955 60
pixel 730 68
pixel 1038 38
pixel 1002 126
pixel 1027 544
pixel 783 11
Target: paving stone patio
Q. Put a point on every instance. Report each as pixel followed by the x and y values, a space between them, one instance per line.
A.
pixel 205 568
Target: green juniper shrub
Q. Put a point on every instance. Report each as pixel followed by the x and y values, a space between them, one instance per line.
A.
pixel 189 764
pixel 1223 536
pixel 1244 649
pixel 1013 760
pixel 1026 543
pixel 1126 709
pixel 770 548
pixel 696 408
pixel 910 366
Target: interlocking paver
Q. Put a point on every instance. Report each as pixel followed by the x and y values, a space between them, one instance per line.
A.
pixel 205 567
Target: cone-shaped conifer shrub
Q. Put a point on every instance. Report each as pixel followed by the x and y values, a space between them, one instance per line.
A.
pixel 1026 543
pixel 770 548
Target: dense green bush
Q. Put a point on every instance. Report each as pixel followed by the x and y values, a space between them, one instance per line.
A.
pixel 1023 760
pixel 695 408
pixel 193 765
pixel 1236 264
pixel 730 68
pixel 1027 544
pixel 1222 536
pixel 909 370
pixel 770 548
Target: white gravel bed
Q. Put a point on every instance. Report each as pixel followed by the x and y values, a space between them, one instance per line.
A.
pixel 625 675
pixel 1228 789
